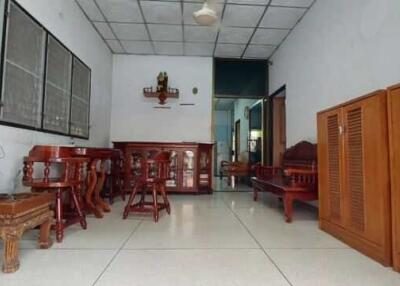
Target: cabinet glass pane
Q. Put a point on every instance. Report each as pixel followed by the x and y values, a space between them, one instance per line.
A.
pixel 204 169
pixel 23 70
pixel 173 170
pixel 58 87
pixel 188 169
pixel 80 99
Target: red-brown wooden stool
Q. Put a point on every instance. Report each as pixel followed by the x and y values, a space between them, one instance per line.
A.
pixel 155 171
pixel 66 177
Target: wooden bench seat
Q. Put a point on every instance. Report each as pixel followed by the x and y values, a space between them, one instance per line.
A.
pixel 296 180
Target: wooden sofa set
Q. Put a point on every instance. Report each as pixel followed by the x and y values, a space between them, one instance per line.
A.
pixel 296 179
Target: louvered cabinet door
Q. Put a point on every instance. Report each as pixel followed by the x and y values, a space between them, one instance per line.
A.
pixel 394 137
pixel 330 166
pixel 366 173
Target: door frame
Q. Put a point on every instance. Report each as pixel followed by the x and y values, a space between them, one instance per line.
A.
pixel 237 139
pixel 269 126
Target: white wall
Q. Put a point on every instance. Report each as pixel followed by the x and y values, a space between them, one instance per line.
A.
pixel 66 21
pixel 340 50
pixel 134 116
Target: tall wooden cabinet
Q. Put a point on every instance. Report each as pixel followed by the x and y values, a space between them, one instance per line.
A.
pixel 190 167
pixel 354 182
pixel 394 139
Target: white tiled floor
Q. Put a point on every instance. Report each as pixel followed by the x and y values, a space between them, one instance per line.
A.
pixel 220 239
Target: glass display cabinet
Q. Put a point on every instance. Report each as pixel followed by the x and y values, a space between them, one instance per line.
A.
pixel 190 164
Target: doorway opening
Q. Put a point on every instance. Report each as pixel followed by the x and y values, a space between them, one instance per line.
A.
pixel 238 129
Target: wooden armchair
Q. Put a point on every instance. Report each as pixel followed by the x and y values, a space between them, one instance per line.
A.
pixel 239 169
pixel 59 175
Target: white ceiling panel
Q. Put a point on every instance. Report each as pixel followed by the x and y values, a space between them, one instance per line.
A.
pixel 91 10
pixel 235 35
pixel 258 52
pixel 245 28
pixel 189 8
pixel 138 47
pixel 199 49
pixel 200 1
pixel 130 31
pixel 282 17
pixel 165 32
pixel 121 10
pixel 293 3
pixel 200 34
pixel 229 50
pixel 242 15
pixel 269 36
pixel 162 12
pixel 252 2
pixel 104 30
pixel 115 46
pixel 168 48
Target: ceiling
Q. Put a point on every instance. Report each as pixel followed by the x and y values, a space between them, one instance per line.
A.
pixel 248 29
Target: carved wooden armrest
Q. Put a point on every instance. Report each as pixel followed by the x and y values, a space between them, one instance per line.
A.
pixel 302 177
pixel 266 172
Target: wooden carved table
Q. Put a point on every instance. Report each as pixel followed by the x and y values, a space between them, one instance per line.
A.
pixel 97 177
pixel 18 213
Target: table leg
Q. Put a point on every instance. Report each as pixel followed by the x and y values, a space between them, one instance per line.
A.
pixel 45 241
pixel 92 182
pixel 11 250
pixel 101 205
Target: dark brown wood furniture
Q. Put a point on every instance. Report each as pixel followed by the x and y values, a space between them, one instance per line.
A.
pixel 190 167
pixel 96 159
pixel 394 140
pixel 354 183
pixel 297 179
pixel 60 174
pixel 18 213
pixel 97 172
pixel 234 170
pixel 153 176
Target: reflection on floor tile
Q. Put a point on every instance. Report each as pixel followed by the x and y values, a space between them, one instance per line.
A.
pixel 58 267
pixel 220 239
pixel 192 267
pixel 332 267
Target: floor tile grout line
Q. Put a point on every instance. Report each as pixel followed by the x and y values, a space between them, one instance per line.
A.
pixel 261 247
pixel 116 253
pixel 192 248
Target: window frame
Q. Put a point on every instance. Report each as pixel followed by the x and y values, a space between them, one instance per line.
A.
pixel 48 34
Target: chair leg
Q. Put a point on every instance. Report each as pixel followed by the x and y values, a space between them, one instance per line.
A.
pixel 288 207
pixel 82 219
pixel 155 203
pixel 165 198
pixel 59 222
pixel 255 194
pixel 130 201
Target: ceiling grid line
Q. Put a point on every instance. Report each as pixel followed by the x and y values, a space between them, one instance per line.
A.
pixel 147 27
pixel 247 29
pixel 255 29
pixel 108 24
pixel 222 18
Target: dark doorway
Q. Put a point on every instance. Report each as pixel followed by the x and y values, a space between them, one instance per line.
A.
pixel 255 133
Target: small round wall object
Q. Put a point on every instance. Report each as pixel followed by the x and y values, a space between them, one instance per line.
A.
pixel 246 112
pixel 195 90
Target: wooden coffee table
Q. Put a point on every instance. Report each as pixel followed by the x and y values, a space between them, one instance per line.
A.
pixel 18 213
